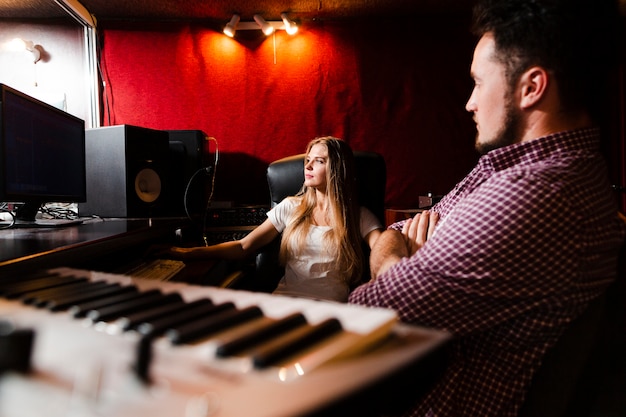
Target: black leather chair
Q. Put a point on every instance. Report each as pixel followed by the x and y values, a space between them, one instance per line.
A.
pixel 285 178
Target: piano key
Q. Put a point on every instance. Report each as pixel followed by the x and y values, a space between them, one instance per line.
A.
pixel 261 334
pixel 65 303
pixel 42 300
pixel 17 290
pixel 20 279
pixel 131 321
pixel 201 308
pixel 33 297
pixel 146 300
pixel 283 347
pixel 199 329
pixel 72 291
pixel 143 359
pixel 81 310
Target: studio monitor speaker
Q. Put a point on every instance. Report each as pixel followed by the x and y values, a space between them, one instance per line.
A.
pixel 127 172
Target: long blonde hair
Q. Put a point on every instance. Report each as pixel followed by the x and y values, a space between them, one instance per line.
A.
pixel 344 236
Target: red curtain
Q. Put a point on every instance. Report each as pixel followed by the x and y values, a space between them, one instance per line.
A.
pixel 398 88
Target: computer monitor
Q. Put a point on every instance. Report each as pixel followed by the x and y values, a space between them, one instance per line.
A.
pixel 42 154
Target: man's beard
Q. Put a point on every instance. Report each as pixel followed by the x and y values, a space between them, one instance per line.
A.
pixel 508 134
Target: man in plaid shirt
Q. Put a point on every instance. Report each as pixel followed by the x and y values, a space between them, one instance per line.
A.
pixel 521 245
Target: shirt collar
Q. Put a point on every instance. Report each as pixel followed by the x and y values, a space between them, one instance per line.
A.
pixel 585 139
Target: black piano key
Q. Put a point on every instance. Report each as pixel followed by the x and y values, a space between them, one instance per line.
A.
pixel 73 291
pixel 65 303
pixel 131 321
pixel 81 310
pixel 8 281
pixel 146 300
pixel 32 297
pixel 16 348
pixel 201 309
pixel 199 329
pixel 17 290
pixel 262 334
pixel 282 348
pixel 143 359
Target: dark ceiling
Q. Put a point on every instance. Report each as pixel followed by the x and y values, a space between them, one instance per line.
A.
pixel 222 10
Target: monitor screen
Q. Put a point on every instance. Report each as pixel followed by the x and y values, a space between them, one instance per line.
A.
pixel 42 154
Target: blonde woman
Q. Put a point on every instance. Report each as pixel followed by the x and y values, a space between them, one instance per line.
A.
pixel 322 229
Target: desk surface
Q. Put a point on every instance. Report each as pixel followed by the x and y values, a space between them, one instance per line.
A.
pixel 45 247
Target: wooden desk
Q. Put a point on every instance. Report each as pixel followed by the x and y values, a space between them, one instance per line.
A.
pixel 25 250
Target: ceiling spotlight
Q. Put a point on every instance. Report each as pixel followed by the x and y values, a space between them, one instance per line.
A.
pixel 231 26
pixel 290 26
pixel 266 28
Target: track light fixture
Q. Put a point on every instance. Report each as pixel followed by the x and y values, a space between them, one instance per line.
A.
pixel 290 26
pixel 267 27
pixel 231 27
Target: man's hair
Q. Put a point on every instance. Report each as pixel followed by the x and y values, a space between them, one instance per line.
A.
pixel 575 40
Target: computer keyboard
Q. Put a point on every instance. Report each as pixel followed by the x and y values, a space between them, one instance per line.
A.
pixel 157 269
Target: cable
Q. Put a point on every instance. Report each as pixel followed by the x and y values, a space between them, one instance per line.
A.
pixel 217 157
pixel 206 170
pixel 210 170
pixel 103 72
pixel 4 209
pixel 64 211
pixel 208 203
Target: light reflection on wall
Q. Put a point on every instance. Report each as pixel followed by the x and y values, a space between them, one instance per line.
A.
pixel 59 77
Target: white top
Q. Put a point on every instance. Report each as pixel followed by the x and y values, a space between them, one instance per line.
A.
pixel 310 274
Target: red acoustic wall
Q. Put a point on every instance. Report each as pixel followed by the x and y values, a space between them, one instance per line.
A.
pixel 398 88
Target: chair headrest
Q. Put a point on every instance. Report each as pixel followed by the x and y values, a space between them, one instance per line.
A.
pixel 286 176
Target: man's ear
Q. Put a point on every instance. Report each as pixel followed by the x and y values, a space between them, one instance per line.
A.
pixel 533 86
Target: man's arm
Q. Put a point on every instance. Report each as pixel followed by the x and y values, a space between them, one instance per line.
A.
pixel 393 245
pixel 389 249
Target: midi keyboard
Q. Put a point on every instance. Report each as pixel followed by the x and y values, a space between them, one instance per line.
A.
pixel 166 349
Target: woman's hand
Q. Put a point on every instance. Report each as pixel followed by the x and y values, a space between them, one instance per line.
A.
pixel 167 251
